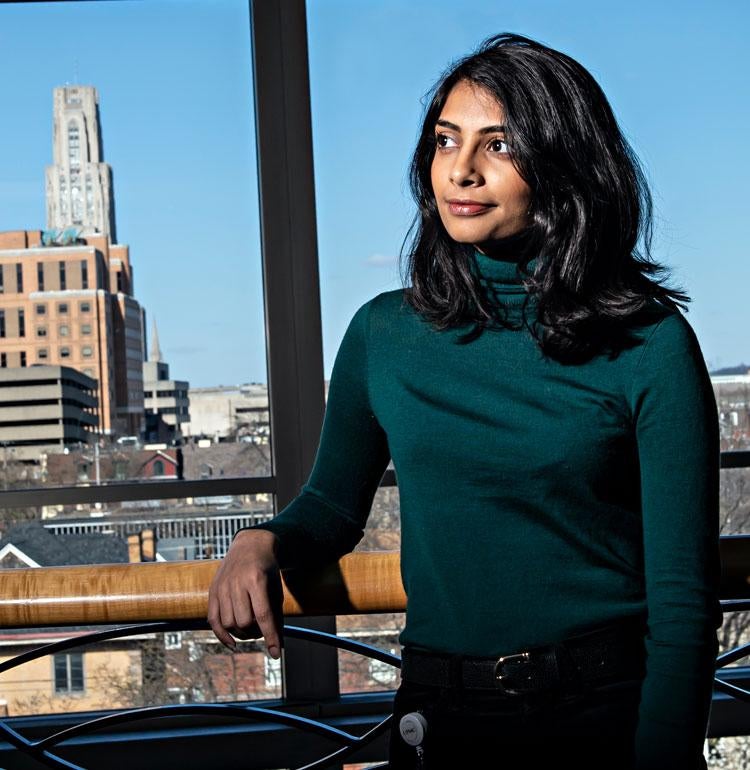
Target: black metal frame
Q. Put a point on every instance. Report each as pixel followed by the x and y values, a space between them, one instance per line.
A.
pixel 731 708
pixel 43 749
pixel 291 285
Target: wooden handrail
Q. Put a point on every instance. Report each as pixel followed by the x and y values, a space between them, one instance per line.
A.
pixel 136 593
pixel 363 582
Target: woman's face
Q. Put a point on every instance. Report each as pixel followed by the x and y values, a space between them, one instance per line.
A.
pixel 480 196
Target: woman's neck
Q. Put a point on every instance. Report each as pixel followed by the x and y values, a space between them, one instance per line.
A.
pixel 510 249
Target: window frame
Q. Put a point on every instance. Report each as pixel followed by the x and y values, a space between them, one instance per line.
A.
pixel 69 689
pixel 291 295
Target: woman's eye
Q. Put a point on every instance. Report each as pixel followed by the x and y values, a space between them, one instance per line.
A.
pixel 498 145
pixel 443 140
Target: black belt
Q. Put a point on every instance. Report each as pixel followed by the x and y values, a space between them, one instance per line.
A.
pixel 598 657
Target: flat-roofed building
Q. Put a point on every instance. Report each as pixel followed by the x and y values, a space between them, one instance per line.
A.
pixel 45 409
pixel 72 305
pixel 732 391
pixel 229 412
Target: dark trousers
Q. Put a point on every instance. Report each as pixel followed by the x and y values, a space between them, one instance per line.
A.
pixel 486 729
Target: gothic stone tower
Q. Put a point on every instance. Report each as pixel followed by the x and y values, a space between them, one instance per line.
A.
pixel 79 183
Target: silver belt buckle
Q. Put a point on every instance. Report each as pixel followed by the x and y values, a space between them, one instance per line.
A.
pixel 501 677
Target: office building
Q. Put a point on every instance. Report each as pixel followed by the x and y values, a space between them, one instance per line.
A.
pixel 229 413
pixel 45 409
pixel 72 305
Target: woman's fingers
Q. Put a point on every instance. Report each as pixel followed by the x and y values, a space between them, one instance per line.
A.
pixel 266 615
pixel 242 609
pixel 245 595
pixel 214 618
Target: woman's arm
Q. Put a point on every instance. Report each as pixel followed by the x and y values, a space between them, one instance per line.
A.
pixel 326 520
pixel 677 432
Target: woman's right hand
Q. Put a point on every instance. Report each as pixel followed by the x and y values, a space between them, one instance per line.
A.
pixel 246 590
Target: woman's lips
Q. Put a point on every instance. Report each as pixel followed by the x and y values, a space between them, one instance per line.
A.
pixel 467 208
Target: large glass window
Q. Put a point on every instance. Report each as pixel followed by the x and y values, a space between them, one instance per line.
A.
pixel 649 88
pixel 362 153
pixel 150 227
pixel 147 669
pixel 179 225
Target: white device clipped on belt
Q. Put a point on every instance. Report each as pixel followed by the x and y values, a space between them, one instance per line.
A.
pixel 412 728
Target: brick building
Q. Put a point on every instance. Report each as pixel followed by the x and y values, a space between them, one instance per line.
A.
pixel 72 305
pixel 66 293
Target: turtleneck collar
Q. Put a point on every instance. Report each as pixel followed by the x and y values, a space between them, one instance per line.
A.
pixel 502 275
pixel 502 282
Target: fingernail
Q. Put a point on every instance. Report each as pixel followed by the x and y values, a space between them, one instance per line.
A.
pixel 273 651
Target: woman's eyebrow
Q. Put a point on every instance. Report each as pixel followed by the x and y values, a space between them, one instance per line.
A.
pixel 485 130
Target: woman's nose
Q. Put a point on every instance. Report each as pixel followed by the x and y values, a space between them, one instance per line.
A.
pixel 464 170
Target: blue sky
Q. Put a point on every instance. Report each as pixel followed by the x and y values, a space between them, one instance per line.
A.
pixel 176 105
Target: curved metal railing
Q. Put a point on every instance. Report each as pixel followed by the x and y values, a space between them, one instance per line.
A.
pixel 43 750
pixel 172 596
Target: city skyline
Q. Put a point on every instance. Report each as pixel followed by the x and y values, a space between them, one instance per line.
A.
pixel 178 131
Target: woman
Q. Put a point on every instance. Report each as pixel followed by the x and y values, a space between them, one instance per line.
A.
pixel 555 437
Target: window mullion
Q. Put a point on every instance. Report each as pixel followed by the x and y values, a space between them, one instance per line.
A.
pixel 291 286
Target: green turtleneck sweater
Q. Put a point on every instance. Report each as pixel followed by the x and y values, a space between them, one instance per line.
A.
pixel 538 499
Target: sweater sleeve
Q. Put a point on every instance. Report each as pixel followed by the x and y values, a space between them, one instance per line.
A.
pixel 677 434
pixel 327 519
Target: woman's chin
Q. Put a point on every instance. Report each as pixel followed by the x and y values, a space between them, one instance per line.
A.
pixel 468 234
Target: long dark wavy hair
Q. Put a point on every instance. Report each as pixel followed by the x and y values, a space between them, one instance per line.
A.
pixel 591 208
